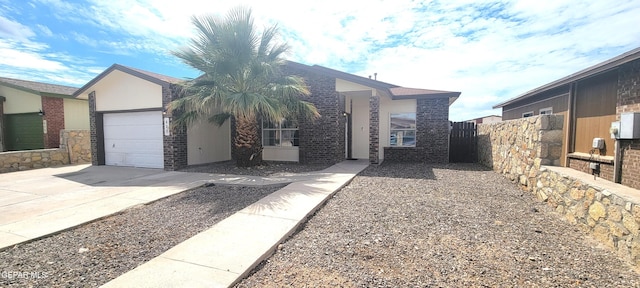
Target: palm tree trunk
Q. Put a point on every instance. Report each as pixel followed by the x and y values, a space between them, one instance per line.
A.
pixel 247 142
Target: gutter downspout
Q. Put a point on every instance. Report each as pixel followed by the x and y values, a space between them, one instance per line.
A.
pixel 617 162
pixel 569 122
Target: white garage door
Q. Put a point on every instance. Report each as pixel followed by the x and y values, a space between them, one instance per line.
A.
pixel 133 139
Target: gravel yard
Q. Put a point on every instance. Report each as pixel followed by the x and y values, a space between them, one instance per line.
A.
pixel 93 254
pixel 266 169
pixel 415 225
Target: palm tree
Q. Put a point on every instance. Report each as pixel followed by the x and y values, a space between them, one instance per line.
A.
pixel 242 79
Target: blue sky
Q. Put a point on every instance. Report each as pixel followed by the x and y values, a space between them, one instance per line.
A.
pixel 489 50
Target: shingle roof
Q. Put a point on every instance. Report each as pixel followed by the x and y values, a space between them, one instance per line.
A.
pixel 38 87
pixel 149 76
pixel 395 91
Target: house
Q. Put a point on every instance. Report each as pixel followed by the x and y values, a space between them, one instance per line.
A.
pixel 361 118
pixel 33 113
pixel 590 101
pixel 486 119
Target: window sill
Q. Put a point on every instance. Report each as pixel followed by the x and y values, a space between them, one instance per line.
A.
pixel 587 157
pixel 399 147
pixel 281 147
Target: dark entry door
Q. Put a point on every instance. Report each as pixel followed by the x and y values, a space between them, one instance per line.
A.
pixel 24 131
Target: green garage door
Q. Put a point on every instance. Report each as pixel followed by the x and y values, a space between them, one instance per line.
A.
pixel 23 131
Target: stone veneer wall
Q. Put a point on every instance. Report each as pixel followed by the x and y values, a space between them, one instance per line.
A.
pixel 54 115
pixel 77 143
pixel 629 101
pixel 517 148
pixel 610 218
pixel 321 141
pixel 32 159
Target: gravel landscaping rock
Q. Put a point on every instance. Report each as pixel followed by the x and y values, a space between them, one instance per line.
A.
pixel 95 253
pixel 417 225
pixel 266 169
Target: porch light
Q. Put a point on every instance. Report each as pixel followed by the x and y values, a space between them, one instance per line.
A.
pixel 41 113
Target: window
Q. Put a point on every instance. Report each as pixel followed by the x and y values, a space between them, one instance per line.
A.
pixel 527 114
pixel 546 111
pixel 402 129
pixel 283 134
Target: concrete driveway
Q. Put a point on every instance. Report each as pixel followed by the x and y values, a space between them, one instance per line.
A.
pixel 40 202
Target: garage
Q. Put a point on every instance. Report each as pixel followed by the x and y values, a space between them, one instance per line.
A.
pixel 24 131
pixel 133 139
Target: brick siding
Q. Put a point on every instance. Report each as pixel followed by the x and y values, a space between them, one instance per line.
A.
pixel 374 125
pixel 2 144
pixel 432 135
pixel 53 109
pixel 321 141
pixel 175 145
pixel 629 101
pixel 606 170
pixel 96 154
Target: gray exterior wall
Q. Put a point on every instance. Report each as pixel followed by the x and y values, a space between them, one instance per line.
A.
pixel 432 135
pixel 322 141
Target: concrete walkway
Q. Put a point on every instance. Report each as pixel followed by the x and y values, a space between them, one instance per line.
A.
pixel 228 251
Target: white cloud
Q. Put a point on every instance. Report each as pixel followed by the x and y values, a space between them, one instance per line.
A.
pixel 490 50
pixel 10 29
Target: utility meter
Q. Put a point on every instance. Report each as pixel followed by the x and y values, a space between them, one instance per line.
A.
pixel 598 143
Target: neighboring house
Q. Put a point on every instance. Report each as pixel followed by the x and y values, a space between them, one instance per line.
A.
pixel 486 119
pixel 590 100
pixel 33 113
pixel 361 118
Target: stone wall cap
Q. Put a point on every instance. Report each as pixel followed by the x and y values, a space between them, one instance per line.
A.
pixel 595 158
pixel 602 185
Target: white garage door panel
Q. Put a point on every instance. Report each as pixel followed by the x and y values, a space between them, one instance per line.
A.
pixel 134 139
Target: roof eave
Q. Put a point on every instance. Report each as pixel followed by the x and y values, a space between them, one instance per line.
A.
pixel 123 69
pixel 452 96
pixel 594 70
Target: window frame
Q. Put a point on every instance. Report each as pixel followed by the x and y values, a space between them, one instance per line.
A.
pixel 278 129
pixel 524 115
pixel 543 111
pixel 415 129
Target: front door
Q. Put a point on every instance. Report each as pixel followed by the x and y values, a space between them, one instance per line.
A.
pixel 360 127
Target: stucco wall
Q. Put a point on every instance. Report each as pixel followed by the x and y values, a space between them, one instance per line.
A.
pixel 18 101
pixel 517 148
pixel 76 114
pixel 208 142
pixel 122 91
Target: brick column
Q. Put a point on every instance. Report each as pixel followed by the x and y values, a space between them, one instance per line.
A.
pixel 93 130
pixel 374 127
pixel 432 130
pixel 175 145
pixel 2 99
pixel 53 109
